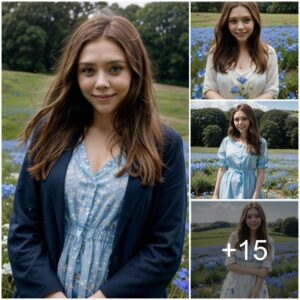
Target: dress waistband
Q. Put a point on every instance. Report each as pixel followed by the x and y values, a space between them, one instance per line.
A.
pixel 242 171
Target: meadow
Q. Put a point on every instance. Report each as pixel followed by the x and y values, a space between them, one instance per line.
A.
pixel 281 181
pixel 279 31
pixel 22 94
pixel 208 270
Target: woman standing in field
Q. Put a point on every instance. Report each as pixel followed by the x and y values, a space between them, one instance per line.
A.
pixel 252 259
pixel 100 203
pixel 240 65
pixel 243 158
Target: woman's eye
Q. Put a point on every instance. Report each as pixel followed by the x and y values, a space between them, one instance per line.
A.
pixel 87 71
pixel 115 69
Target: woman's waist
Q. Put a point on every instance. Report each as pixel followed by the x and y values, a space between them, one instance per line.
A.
pixel 241 170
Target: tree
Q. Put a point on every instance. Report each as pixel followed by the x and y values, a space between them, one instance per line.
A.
pixel 165 30
pixel 290 226
pixel 291 127
pixel 269 130
pixel 212 136
pixel 277 226
pixel 200 118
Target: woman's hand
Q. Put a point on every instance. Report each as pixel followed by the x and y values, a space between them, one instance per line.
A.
pixel 98 294
pixel 254 294
pixel 215 195
pixel 255 195
pixel 56 295
pixel 262 272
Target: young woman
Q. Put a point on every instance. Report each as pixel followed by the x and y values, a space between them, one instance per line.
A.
pixel 249 264
pixel 100 203
pixel 240 65
pixel 243 158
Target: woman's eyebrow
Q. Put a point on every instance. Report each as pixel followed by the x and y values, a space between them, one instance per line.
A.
pixel 116 61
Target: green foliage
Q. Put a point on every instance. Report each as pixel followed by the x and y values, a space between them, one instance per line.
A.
pixel 212 136
pixel 33 34
pixel 290 226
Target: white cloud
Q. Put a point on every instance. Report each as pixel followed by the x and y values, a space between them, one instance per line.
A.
pixel 225 105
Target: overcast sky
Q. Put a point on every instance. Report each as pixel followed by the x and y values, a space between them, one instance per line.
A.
pixel 204 212
pixel 126 3
pixel 263 105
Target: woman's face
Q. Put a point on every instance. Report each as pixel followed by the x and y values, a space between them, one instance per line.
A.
pixel 240 23
pixel 253 219
pixel 104 76
pixel 241 122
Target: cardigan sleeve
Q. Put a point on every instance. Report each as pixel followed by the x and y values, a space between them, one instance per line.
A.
pixel 33 273
pixel 149 272
pixel 272 80
pixel 210 78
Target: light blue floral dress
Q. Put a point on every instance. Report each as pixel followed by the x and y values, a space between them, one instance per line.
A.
pixel 239 180
pixel 241 285
pixel 92 207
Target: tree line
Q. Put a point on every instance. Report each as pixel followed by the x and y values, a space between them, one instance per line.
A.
pixel 280 128
pixel 264 7
pixel 33 34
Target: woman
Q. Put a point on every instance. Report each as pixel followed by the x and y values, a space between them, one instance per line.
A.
pixel 252 259
pixel 240 65
pixel 100 203
pixel 243 158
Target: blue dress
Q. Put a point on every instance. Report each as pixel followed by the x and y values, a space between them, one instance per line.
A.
pixel 239 180
pixel 93 203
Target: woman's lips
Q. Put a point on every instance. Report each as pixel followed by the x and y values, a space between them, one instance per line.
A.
pixel 104 97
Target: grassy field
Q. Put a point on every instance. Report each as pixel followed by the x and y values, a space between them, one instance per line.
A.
pixel 218 237
pixel 22 95
pixel 210 19
pixel 212 150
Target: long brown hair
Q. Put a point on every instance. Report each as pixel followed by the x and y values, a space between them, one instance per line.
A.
pixel 243 230
pixel 225 47
pixel 253 137
pixel 66 114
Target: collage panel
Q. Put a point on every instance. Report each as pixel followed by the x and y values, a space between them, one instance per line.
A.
pixel 244 50
pixel 243 249
pixel 223 168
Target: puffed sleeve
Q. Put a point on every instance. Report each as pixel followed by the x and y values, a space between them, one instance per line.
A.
pixel 232 241
pixel 262 160
pixel 267 263
pixel 272 79
pixel 222 153
pixel 149 272
pixel 210 78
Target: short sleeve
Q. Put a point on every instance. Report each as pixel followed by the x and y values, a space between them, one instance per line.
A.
pixel 272 80
pixel 210 78
pixel 267 263
pixel 232 241
pixel 222 154
pixel 262 161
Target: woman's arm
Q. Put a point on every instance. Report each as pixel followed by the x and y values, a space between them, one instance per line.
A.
pixel 261 272
pixel 258 284
pixel 259 182
pixel 265 96
pixel 212 95
pixel 150 270
pixel 220 174
pixel 33 272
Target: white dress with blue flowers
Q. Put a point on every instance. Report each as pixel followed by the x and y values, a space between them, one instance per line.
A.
pixel 241 285
pixel 93 203
pixel 239 180
pixel 243 83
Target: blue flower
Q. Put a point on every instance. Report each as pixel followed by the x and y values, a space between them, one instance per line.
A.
pixel 279 186
pixel 292 187
pixel 201 73
pixel 8 190
pixel 291 95
pixel 242 79
pixel 234 90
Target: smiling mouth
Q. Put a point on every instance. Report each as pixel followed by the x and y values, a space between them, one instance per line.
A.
pixel 104 97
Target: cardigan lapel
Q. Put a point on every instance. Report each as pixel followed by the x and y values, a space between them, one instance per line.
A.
pixel 132 195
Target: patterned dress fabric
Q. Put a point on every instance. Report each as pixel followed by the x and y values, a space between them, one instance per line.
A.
pixel 239 180
pixel 92 206
pixel 240 285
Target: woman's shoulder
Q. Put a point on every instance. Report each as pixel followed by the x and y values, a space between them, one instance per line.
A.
pixel 170 136
pixel 263 141
pixel 270 49
pixel 234 236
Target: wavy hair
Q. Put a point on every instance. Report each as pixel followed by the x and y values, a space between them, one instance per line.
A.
pixel 66 114
pixel 253 137
pixel 225 47
pixel 243 230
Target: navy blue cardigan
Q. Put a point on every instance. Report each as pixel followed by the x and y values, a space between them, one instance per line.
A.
pixel 148 244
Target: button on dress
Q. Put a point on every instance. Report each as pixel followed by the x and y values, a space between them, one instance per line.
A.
pixel 92 207
pixel 239 180
pixel 241 285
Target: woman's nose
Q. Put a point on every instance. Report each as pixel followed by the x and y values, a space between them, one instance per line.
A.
pixel 240 25
pixel 101 80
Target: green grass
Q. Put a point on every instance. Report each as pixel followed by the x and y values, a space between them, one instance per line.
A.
pixel 214 150
pixel 220 236
pixel 210 19
pixel 23 93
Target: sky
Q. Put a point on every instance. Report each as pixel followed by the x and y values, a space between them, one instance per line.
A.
pixel 204 212
pixel 263 105
pixel 124 4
